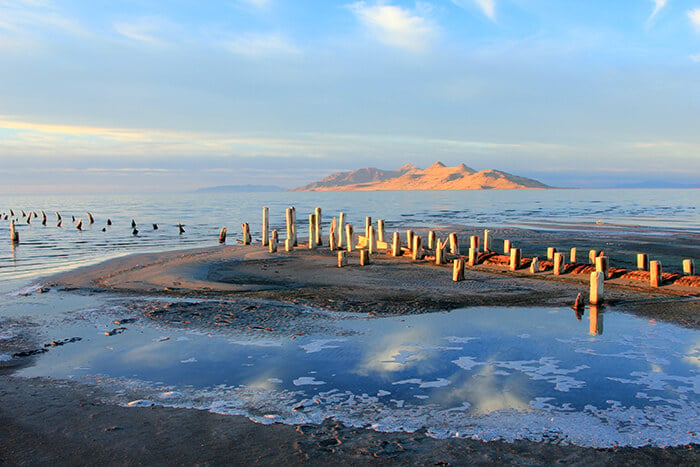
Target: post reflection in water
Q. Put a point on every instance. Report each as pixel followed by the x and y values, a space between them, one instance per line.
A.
pixel 596 321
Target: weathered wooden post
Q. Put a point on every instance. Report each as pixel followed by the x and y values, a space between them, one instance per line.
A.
pixel 655 273
pixel 514 259
pixel 312 228
pixel 14 235
pixel 288 244
pixel 572 256
pixel 550 253
pixel 79 225
pixel 342 259
pixel 364 258
pixel 396 245
pixel 43 218
pixel 332 242
pixel 288 225
pixel 642 262
pixel 474 242
pixel 454 244
pixel 597 288
pixel 294 226
pixel 688 267
pixel 596 324
pixel 380 230
pixel 274 239
pixel 592 255
pixel 372 240
pixel 417 248
pixel 439 252
pixel 348 237
pixel 318 227
pixel 559 264
pixel 409 238
pixel 368 224
pixel 431 240
pixel 341 229
pixel 458 270
pixel 506 247
pixel 473 256
pixel 246 233
pixel 601 265
pixel 487 240
pixel 222 235
pixel 90 218
pixel 265 225
pixel 535 265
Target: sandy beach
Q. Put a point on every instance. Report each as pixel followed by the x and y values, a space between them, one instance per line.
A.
pixel 74 423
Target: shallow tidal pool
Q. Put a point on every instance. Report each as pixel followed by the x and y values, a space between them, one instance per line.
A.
pixel 602 378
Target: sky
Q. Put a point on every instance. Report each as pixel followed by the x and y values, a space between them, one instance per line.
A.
pixel 151 95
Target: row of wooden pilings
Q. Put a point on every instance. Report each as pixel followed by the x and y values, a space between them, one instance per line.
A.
pixel 342 237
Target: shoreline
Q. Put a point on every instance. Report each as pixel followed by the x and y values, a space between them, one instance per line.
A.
pixel 388 287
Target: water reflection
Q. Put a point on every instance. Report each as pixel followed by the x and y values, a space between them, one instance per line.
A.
pixel 491 372
pixel 596 320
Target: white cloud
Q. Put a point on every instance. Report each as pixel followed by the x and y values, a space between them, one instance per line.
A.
pixel 261 45
pixel 694 16
pixel 395 26
pixel 658 6
pixel 487 7
pixel 144 30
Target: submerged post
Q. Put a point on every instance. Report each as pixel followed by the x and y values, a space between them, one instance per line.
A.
pixel 597 288
pixel 514 259
pixel 396 245
pixel 655 273
pixel 14 235
pixel 642 262
pixel 222 235
pixel 265 225
pixel 688 267
pixel 458 270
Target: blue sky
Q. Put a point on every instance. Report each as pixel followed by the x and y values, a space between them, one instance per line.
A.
pixel 155 95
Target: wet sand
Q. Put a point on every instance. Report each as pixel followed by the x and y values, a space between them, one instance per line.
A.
pixel 43 420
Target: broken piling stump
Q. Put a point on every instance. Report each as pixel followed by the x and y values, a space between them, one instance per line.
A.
pixel 655 273
pixel 396 245
pixel 597 288
pixel 222 235
pixel 642 262
pixel 688 267
pixel 458 270
pixel 364 258
pixel 342 259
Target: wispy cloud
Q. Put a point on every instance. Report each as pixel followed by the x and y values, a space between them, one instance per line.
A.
pixel 658 6
pixel 487 7
pixel 32 17
pixel 694 16
pixel 395 26
pixel 145 30
pixel 261 45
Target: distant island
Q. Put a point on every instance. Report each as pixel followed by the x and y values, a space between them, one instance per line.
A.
pixel 239 189
pixel 409 177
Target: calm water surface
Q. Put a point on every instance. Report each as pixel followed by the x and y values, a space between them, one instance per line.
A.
pixel 47 249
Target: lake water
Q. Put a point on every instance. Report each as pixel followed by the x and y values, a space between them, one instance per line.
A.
pixel 47 249
pixel 600 379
